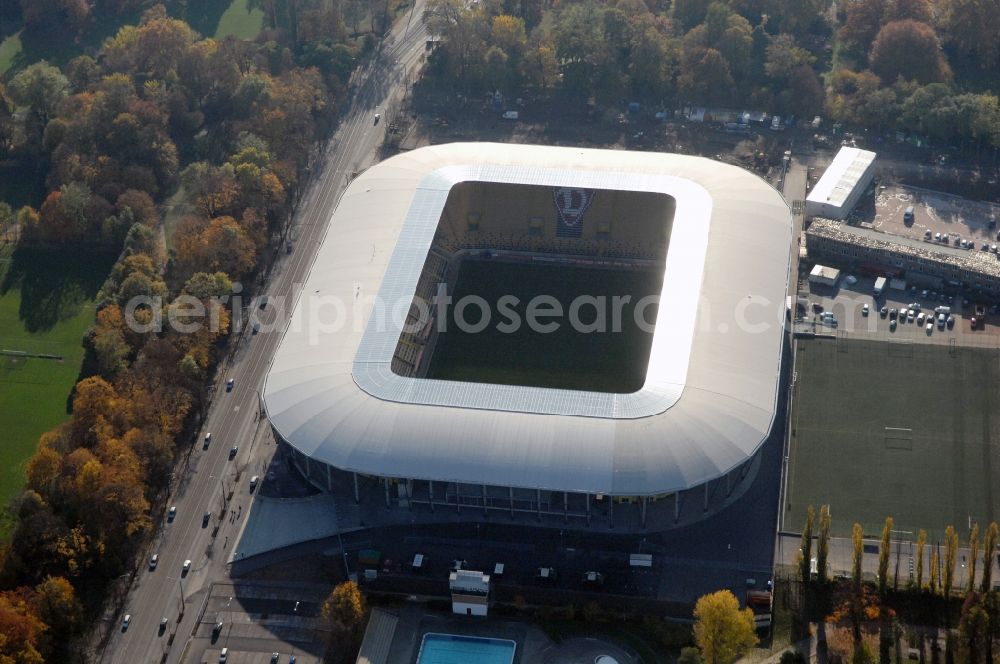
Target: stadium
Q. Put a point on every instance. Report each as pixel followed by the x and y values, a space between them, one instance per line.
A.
pixel 539 333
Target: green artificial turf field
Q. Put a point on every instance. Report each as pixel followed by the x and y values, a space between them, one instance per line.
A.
pixel 892 429
pixel 598 362
pixel 46 306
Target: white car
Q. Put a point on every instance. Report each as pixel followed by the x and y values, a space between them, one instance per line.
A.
pixel 253 482
pixel 864 310
pixel 153 561
pixel 186 567
pixel 929 327
pixel 126 621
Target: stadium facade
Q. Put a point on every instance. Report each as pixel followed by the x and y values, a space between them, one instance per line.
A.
pixel 347 389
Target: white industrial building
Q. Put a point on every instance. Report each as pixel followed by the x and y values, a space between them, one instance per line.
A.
pixel 694 430
pixel 470 592
pixel 845 180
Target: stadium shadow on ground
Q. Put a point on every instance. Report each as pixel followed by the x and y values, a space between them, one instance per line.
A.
pixel 596 255
pixel 885 429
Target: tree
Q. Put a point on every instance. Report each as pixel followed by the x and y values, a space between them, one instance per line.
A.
pixel 705 76
pixel 689 13
pixel 784 56
pixel 857 535
pixel 973 558
pixel 823 544
pixel 689 656
pixel 40 87
pixel 344 612
pixel 910 50
pixel 721 630
pixel 950 556
pixel 56 605
pixel 974 634
pixel 884 549
pixel 21 630
pixel 805 550
pixel 973 26
pixel 935 571
pixel 921 543
pixel 989 550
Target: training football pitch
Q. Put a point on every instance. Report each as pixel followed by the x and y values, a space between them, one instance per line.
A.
pixel 46 306
pixel 891 429
pixel 564 358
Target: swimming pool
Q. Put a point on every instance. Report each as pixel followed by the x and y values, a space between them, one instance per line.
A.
pixel 453 649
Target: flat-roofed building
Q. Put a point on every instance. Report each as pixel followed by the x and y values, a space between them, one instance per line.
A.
pixel 844 181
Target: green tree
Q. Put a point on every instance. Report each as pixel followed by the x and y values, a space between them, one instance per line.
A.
pixel 722 631
pixel 689 13
pixel 884 548
pixel 40 87
pixel 784 55
pixel 921 543
pixel 823 544
pixel 989 550
pixel 973 558
pixel 805 549
pixel 689 656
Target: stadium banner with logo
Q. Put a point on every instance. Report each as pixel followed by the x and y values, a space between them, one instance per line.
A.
pixel 571 204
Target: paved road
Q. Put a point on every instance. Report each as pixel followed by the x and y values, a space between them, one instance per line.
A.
pixel 233 416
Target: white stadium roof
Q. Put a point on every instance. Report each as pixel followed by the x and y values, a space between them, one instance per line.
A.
pixel 712 383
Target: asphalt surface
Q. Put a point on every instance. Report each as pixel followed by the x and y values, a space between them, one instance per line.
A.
pixel 233 416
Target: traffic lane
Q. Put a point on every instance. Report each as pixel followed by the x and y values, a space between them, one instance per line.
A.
pixel 145 598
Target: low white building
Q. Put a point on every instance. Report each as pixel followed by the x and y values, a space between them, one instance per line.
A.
pixel 845 180
pixel 470 592
pixel 823 275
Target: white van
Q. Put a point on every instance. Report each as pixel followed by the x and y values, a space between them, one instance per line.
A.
pixel 223 655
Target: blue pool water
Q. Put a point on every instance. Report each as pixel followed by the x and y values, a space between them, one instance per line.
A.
pixel 451 649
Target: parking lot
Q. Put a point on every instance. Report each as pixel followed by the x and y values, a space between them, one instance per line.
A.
pixel 936 213
pixel 847 301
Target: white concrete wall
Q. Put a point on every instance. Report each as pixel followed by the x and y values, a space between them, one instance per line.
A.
pixel 463 608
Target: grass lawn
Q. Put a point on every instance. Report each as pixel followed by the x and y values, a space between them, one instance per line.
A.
pixel 9 48
pixel 600 361
pixel 239 21
pixel 46 306
pixel 883 428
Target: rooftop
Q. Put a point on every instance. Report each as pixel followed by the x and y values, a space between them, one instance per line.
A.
pixel 973 260
pixel 841 176
pixel 711 389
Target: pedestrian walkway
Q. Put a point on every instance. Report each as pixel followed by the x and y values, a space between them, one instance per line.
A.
pixel 378 638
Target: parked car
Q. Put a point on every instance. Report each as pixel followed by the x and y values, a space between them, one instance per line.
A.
pixel 893 313
pixel 892 325
pixel 153 561
pixel 929 327
pixel 208 441
pixel 126 621
pixel 205 518
pixel 233 450
pixel 171 514
pixel 163 625
pixel 950 322
pixel 229 385
pixel 186 567
pixel 864 310
pixel 883 312
pixel 253 482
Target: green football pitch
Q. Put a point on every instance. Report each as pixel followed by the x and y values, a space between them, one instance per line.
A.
pixel 46 306
pixel 610 361
pixel 882 429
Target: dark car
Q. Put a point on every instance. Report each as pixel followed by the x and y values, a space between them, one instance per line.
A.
pixel 205 519
pixel 233 450
pixel 229 384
